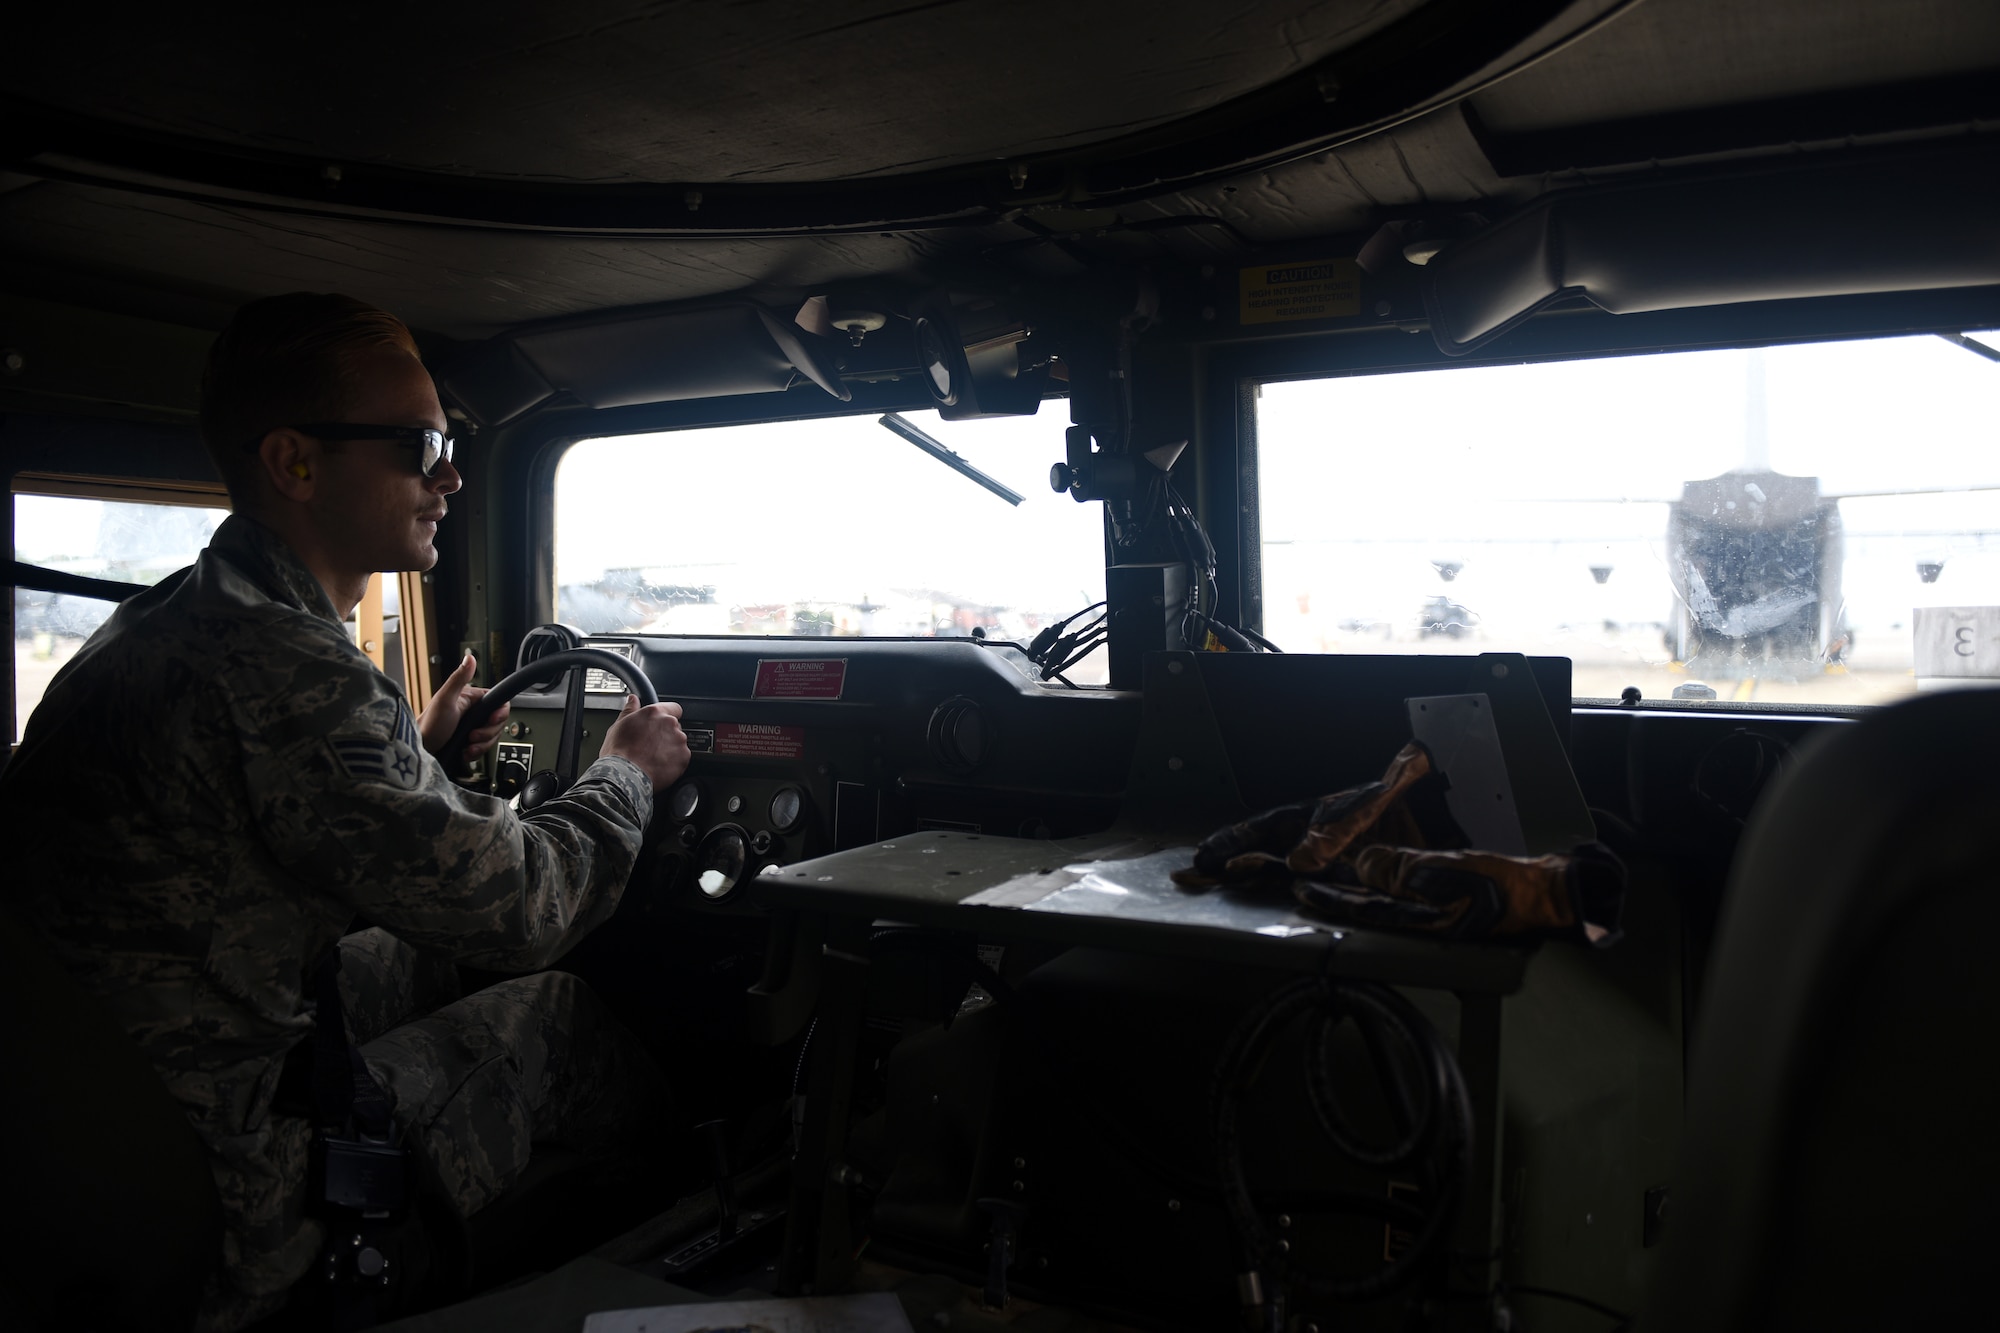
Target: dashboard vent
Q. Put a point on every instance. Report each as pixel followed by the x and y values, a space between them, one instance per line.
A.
pixel 957 734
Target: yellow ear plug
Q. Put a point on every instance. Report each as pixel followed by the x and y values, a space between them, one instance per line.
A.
pixel 299 471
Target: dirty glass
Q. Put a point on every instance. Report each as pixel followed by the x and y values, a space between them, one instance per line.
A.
pixel 835 527
pixel 123 542
pixel 1814 523
pixel 99 539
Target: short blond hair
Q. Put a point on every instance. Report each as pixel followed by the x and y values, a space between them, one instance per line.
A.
pixel 283 361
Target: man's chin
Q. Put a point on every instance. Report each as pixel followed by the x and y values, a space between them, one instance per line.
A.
pixel 415 560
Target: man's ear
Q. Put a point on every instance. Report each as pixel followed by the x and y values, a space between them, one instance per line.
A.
pixel 289 463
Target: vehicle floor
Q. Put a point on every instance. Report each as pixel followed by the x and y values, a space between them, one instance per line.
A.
pixel 627 1273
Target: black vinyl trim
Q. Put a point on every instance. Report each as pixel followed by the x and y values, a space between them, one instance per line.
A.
pixel 1846 114
pixel 1583 332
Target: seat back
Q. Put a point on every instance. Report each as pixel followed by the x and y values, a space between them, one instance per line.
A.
pixel 111 1218
pixel 1842 1151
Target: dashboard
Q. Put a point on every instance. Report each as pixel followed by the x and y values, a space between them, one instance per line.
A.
pixel 807 746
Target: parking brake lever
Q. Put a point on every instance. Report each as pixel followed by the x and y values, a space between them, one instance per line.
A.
pixel 730 1228
pixel 717 1132
pixel 1006 1215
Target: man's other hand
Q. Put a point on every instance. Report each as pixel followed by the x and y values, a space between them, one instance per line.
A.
pixel 441 716
pixel 650 737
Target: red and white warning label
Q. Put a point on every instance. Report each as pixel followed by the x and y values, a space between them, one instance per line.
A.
pixel 800 678
pixel 759 740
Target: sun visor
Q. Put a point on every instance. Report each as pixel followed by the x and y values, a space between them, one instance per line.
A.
pixel 494 383
pixel 1840 229
pixel 710 352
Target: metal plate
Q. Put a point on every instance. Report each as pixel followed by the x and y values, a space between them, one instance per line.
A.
pixel 1459 731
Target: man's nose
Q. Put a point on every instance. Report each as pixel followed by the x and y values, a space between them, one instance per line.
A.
pixel 444 478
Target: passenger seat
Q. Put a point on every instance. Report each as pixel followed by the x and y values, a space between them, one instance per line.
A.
pixel 1841 1165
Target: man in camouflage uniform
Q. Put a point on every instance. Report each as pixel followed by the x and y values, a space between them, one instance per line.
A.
pixel 219 783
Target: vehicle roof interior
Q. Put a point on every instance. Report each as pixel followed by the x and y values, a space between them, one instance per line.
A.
pixel 478 170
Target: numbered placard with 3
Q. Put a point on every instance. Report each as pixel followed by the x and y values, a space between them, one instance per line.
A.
pixel 1958 641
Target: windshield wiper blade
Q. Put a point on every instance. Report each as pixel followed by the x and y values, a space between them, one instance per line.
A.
pixel 1972 345
pixel 948 458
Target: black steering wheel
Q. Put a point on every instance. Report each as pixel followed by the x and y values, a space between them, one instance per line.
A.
pixel 573 663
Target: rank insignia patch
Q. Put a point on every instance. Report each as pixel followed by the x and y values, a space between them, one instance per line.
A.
pixel 406 729
pixel 392 763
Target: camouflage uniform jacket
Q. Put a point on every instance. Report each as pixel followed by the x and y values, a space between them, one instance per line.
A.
pixel 209 793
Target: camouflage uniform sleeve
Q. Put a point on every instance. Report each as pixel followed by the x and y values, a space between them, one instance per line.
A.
pixel 347 799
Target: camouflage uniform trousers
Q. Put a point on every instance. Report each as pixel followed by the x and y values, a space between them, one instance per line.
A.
pixel 473 1081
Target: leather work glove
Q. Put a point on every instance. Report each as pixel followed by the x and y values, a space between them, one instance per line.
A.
pixel 1390 856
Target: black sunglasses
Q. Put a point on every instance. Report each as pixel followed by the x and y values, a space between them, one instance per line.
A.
pixel 434 444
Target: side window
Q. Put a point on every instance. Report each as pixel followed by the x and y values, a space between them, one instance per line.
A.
pixel 88 538
pixel 1810 524
pixel 112 534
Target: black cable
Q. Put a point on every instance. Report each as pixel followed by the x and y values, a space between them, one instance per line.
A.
pixel 1596 1307
pixel 799 1071
pixel 1393 1010
pixel 1432 1112
pixel 1051 646
pixel 1192 544
pixel 1118 1137
pixel 1436 1108
pixel 1080 650
pixel 1258 639
pixel 1418 1113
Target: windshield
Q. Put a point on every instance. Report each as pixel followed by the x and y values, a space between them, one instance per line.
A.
pixel 1812 523
pixel 833 527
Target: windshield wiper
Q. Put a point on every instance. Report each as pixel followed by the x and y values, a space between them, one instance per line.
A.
pixel 948 458
pixel 1972 345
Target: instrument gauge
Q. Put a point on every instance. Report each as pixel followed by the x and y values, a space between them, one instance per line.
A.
pixel 685 801
pixel 787 808
pixel 720 860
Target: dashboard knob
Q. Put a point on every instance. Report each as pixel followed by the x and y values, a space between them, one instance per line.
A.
pixel 509 776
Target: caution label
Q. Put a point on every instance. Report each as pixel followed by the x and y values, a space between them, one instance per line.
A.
pixel 800 678
pixel 1304 289
pixel 758 740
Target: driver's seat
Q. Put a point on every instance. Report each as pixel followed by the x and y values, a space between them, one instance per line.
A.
pixel 112 1218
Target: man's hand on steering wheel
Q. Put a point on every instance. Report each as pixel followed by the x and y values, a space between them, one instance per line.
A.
pixel 650 737
pixel 645 733
pixel 441 716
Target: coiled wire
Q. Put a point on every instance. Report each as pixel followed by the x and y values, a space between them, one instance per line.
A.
pixel 1421 1084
